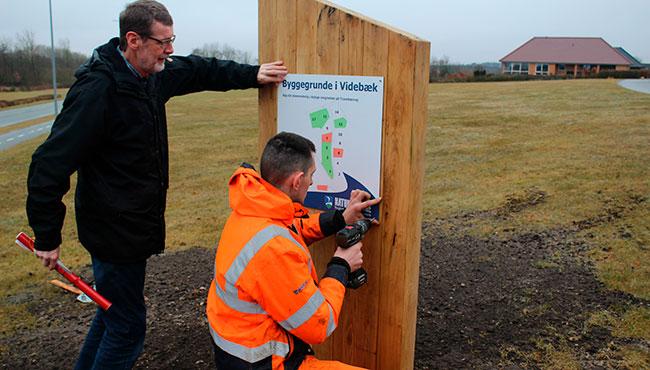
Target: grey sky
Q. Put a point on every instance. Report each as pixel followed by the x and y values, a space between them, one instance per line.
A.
pixel 465 31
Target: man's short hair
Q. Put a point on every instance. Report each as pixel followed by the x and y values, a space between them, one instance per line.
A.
pixel 139 16
pixel 285 154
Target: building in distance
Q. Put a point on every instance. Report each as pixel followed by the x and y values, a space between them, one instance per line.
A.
pixel 567 56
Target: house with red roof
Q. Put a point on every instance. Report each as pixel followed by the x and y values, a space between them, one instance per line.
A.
pixel 565 56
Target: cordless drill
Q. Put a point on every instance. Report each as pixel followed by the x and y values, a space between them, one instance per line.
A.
pixel 349 236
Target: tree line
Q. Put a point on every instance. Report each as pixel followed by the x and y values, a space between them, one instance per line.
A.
pixel 440 70
pixel 24 64
pixel 27 65
pixel 225 51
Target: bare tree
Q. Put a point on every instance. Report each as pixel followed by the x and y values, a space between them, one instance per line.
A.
pixel 5 61
pixel 439 68
pixel 27 64
pixel 225 51
pixel 27 51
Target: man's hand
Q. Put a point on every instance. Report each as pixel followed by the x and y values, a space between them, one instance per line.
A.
pixel 352 255
pixel 48 258
pixel 358 202
pixel 274 72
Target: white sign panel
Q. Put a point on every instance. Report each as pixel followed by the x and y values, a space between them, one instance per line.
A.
pixel 342 116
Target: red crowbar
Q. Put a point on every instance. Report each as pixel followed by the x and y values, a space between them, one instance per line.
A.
pixel 27 243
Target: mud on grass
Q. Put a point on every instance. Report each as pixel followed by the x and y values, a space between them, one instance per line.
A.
pixel 521 300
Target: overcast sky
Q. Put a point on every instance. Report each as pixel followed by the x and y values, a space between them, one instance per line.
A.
pixel 465 31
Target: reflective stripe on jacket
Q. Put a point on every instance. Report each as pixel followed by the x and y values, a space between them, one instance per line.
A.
pixel 265 298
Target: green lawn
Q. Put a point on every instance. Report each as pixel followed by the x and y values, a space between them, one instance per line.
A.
pixel 584 143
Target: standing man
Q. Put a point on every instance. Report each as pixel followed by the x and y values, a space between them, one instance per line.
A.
pixel 113 132
pixel 266 304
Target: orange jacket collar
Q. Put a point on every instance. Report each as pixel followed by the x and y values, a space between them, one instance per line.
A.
pixel 251 195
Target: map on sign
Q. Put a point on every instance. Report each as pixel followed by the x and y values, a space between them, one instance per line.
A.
pixel 342 116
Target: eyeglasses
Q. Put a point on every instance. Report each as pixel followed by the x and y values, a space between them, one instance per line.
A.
pixel 164 43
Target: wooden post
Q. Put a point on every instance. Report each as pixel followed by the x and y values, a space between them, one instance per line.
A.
pixel 377 326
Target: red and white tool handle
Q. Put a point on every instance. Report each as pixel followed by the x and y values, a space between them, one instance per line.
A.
pixel 27 243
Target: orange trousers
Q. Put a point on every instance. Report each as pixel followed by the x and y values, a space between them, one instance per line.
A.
pixel 312 363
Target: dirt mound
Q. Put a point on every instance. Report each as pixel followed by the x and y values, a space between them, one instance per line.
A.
pixel 10 103
pixel 493 301
pixel 487 303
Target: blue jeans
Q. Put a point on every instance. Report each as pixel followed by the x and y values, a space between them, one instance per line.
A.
pixel 116 336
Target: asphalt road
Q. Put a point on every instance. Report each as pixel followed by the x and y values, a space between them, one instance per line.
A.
pixel 637 85
pixel 17 136
pixel 16 115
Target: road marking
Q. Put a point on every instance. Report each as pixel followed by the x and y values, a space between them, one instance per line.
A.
pixel 13 138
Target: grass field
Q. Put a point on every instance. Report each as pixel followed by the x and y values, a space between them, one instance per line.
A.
pixel 585 144
pixel 14 95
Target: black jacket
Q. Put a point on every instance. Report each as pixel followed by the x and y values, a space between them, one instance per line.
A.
pixel 112 130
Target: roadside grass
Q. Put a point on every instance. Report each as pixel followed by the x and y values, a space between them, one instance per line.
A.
pixel 14 95
pixel 583 143
pixel 6 129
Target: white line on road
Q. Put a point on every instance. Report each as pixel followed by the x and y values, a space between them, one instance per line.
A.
pixel 17 136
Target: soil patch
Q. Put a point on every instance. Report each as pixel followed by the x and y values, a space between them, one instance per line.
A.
pixel 483 302
pixel 177 332
pixel 493 302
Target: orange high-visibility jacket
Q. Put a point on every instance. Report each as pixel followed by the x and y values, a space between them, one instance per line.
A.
pixel 265 299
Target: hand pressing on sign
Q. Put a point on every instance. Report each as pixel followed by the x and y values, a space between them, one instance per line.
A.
pixel 274 72
pixel 359 200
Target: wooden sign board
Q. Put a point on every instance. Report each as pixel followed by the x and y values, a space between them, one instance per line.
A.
pixel 377 326
pixel 341 115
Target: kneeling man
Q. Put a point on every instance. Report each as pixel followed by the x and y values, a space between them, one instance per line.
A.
pixel 266 304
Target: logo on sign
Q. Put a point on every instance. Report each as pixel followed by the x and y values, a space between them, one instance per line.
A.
pixel 328 202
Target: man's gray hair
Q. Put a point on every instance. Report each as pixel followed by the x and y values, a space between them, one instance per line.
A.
pixel 138 17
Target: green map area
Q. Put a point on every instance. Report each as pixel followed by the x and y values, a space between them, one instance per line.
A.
pixel 318 120
pixel 326 160
pixel 340 123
